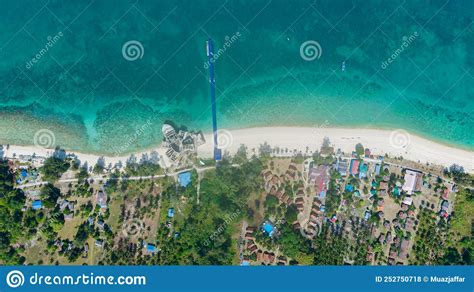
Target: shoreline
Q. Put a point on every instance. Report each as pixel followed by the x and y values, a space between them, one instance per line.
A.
pixel 380 141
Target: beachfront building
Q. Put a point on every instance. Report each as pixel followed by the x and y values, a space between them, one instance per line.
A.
pixel 354 167
pixel 319 176
pixel 179 144
pixel 413 181
pixel 363 170
pixel 341 166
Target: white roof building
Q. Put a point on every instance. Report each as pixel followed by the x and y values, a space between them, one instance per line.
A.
pixel 412 181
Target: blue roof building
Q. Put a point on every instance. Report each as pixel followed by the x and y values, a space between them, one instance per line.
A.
pixel 341 166
pixel 367 215
pixel 37 204
pixel 24 173
pixel 268 228
pixel 349 188
pixel 150 248
pixel 363 170
pixel 396 191
pixel 171 212
pixel 377 169
pixel 184 178
pixel 322 194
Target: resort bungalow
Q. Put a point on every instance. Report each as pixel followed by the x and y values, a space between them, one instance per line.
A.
pixel 354 167
pixel 413 181
pixel 341 166
pixel 363 170
pixel 444 209
pixel 367 152
pixel 322 208
pixel 444 205
pixel 408 201
pixel 253 248
pixel 267 175
pixel 296 225
pixel 249 236
pixel 404 249
pixel 101 199
pixel 367 215
pixel 101 224
pixel 445 194
pixel 66 205
pixel 383 187
pixel 377 169
pixel 250 229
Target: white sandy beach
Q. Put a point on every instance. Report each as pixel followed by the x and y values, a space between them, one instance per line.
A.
pixel 394 143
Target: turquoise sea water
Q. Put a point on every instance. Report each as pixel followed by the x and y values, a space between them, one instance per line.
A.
pixel 93 99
